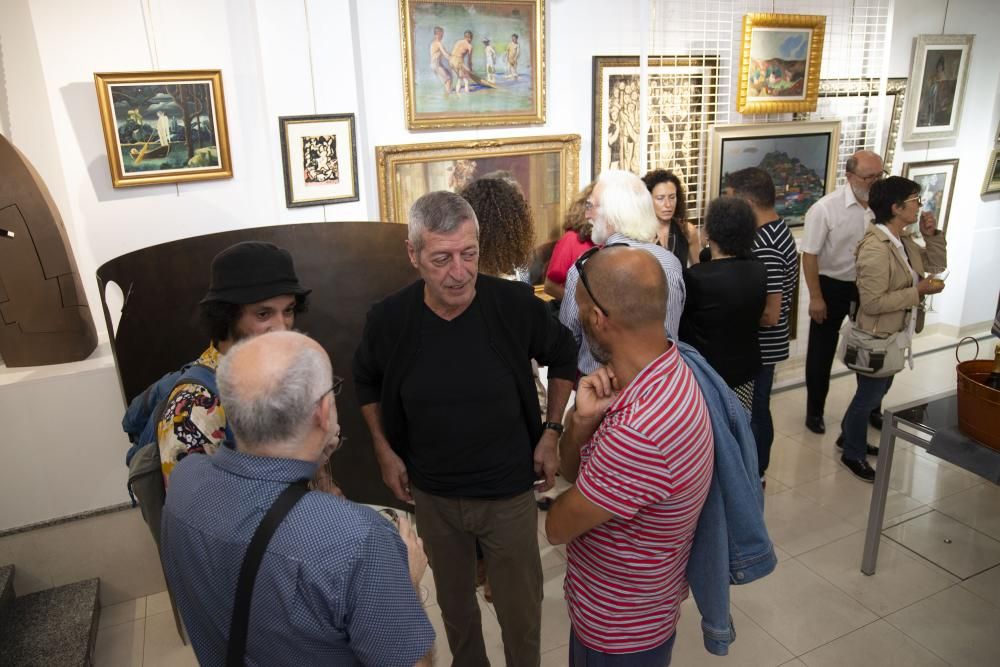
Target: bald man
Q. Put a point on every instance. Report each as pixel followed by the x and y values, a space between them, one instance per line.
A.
pixel 337 583
pixel 638 445
pixel 834 226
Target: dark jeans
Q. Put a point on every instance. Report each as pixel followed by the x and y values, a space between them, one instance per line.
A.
pixel 838 295
pixel 760 415
pixel 581 656
pixel 854 426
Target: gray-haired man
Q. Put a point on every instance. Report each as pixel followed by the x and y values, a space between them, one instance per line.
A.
pixel 443 375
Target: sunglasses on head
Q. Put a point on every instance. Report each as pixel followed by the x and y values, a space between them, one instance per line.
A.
pixel 582 261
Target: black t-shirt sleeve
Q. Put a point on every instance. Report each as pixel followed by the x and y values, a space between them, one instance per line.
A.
pixel 552 344
pixel 366 366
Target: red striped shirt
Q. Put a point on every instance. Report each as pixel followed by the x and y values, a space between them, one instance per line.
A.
pixel 650 464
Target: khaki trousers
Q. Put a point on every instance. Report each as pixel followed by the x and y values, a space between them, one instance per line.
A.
pixel 507 530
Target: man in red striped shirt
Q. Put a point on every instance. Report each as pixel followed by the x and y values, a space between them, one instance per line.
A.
pixel 638 444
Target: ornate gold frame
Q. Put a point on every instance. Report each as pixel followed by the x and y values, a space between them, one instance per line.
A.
pixel 481 119
pixel 818 26
pixel 389 158
pixel 119 178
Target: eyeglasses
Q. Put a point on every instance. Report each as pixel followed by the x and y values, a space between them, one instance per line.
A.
pixel 913 198
pixel 579 264
pixel 877 176
pixel 338 384
pixel 589 205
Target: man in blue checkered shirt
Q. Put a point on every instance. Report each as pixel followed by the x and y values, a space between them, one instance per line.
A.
pixel 337 584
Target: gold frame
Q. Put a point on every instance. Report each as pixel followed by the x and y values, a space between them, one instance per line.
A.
pixel 119 178
pixel 990 185
pixel 760 20
pixel 444 120
pixel 389 158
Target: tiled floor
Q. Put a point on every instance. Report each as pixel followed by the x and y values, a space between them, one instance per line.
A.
pixel 817 609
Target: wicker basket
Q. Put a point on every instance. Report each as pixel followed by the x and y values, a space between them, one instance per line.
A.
pixel 978 405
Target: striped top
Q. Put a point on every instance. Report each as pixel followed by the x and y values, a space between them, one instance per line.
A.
pixel 569 312
pixel 775 247
pixel 650 464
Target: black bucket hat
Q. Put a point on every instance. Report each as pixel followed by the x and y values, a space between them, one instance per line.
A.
pixel 252 271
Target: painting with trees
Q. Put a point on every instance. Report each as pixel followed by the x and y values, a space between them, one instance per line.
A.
pixel 164 127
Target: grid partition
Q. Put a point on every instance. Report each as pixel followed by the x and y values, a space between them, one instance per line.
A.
pixel 691 80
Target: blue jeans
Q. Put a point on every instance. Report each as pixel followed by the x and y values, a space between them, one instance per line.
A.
pixel 760 416
pixel 854 425
pixel 581 656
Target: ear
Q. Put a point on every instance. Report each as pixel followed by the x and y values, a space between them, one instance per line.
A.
pixel 412 253
pixel 321 415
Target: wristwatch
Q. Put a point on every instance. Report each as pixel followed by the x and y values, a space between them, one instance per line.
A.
pixel 555 426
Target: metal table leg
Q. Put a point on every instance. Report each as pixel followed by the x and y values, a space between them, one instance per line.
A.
pixel 876 512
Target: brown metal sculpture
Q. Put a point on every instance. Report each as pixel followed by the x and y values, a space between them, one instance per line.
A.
pixel 44 318
pixel 348 266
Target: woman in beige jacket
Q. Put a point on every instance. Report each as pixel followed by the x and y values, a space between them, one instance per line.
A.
pixel 891 285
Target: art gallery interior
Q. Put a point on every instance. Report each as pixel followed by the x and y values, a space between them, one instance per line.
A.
pixel 65 514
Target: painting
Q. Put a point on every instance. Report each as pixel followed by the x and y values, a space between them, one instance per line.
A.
pixel 858 104
pixel 991 183
pixel 937 183
pixel 547 168
pixel 164 127
pixel 473 63
pixel 320 159
pixel 940 69
pixel 780 63
pixel 801 158
pixel 679 89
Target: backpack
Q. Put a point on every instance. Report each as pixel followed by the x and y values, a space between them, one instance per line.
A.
pixel 145 475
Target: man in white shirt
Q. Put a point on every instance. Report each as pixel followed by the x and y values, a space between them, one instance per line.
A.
pixel 833 228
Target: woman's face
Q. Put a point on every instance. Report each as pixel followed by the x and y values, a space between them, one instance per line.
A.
pixel 909 212
pixel 664 201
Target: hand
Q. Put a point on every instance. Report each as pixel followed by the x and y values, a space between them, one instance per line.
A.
pixel 817 310
pixel 929 286
pixel 928 224
pixel 415 556
pixel 595 393
pixel 547 460
pixel 394 473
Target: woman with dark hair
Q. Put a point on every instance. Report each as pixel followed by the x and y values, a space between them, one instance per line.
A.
pixel 574 242
pixel 506 228
pixel 726 296
pixel 890 270
pixel 675 234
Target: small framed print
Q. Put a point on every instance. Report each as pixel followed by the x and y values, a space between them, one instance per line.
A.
pixel 937 183
pixel 320 159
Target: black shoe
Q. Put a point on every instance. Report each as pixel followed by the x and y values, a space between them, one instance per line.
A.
pixel 875 419
pixel 859 469
pixel 870 450
pixel 815 424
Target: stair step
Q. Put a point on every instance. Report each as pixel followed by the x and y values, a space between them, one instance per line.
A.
pixel 57 626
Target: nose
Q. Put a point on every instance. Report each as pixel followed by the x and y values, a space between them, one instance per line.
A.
pixel 283 322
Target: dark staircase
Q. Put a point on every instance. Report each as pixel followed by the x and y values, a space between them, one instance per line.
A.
pixel 57 626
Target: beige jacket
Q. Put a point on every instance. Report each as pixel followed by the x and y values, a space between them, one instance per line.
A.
pixel 885 286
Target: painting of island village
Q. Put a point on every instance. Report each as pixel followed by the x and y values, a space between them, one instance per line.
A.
pixel 472 62
pixel 798 165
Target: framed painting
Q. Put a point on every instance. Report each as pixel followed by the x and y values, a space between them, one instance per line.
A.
pixel 937 183
pixel 320 159
pixel 940 70
pixel 473 63
pixel 780 59
pixel 991 183
pixel 164 127
pixel 857 103
pixel 679 90
pixel 801 158
pixel 546 167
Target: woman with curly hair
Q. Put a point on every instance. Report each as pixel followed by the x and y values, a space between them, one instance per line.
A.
pixel 675 234
pixel 574 242
pixel 506 228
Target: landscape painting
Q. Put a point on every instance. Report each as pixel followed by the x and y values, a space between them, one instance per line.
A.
pixel 780 63
pixel 164 127
pixel 472 62
pixel 800 157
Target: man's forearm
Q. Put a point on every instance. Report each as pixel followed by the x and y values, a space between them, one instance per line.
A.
pixel 810 269
pixel 557 397
pixel 577 432
pixel 372 413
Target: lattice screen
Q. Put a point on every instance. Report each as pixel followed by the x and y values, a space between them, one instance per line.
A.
pixel 693 69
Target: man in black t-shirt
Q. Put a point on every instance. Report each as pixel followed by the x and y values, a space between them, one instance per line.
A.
pixel 443 374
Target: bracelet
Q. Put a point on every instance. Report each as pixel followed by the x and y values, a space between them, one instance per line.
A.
pixel 555 426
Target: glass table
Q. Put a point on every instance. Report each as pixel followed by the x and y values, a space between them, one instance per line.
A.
pixel 917 423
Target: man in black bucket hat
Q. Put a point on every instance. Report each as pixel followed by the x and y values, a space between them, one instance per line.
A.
pixel 254 290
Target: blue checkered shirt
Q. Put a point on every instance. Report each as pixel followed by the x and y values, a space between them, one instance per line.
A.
pixel 333 586
pixel 569 312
